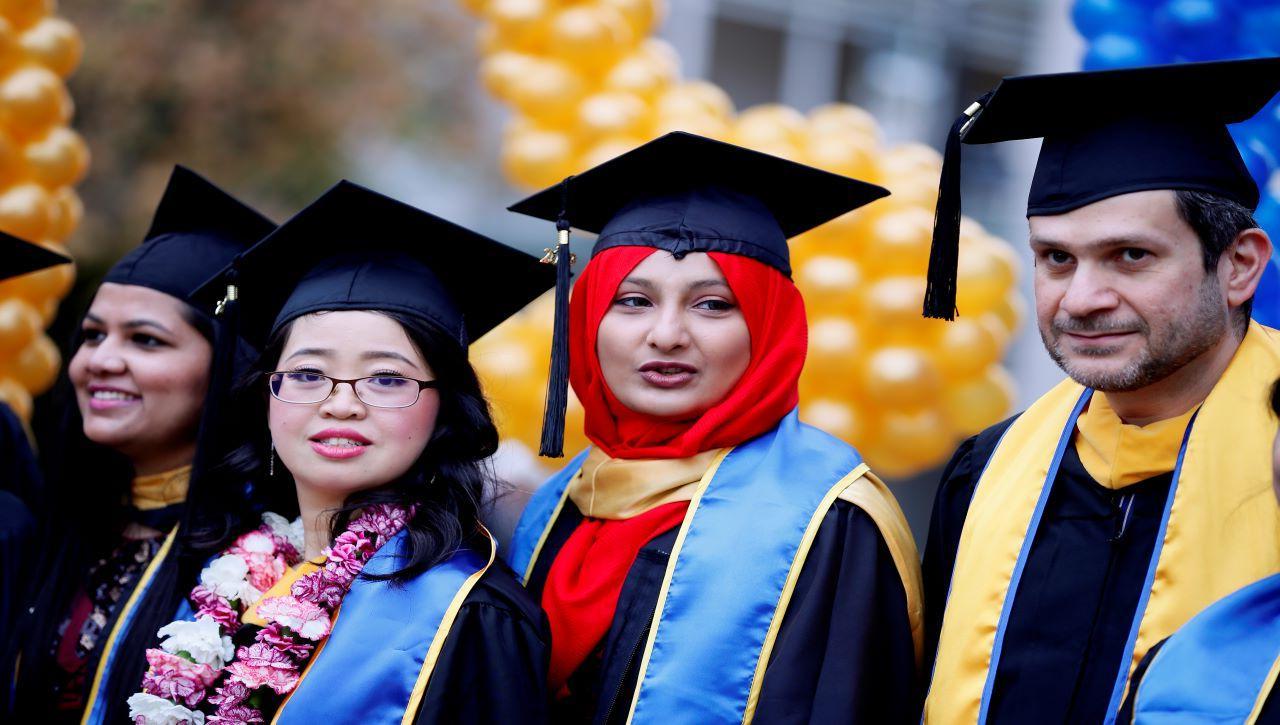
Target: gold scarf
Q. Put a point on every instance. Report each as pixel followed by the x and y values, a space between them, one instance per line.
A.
pixel 158 490
pixel 620 488
pixel 1223 529
pixel 1117 454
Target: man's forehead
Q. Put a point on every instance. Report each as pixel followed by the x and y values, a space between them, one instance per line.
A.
pixel 1150 216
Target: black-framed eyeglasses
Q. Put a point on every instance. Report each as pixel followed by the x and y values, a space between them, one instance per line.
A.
pixel 380 391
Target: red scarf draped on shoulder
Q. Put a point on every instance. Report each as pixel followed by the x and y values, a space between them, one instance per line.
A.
pixel 584 582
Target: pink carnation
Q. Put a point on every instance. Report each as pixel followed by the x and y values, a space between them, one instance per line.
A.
pixel 284 548
pixel 230 693
pixel 305 618
pixel 177 679
pixel 319 588
pixel 236 715
pixel 264 570
pixel 273 634
pixel 382 520
pixel 261 665
pixel 351 550
pixel 210 604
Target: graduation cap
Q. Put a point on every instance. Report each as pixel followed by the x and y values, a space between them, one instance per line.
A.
pixel 356 249
pixel 1107 133
pixel 197 229
pixel 19 257
pixel 683 193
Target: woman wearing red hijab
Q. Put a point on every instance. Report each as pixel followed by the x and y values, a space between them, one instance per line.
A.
pixel 710 558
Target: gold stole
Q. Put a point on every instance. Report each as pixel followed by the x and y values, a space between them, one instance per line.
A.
pixel 1223 529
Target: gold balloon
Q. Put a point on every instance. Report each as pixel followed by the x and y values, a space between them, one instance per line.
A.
pixel 520 24
pixel 834 346
pixel 25 12
pixel 902 240
pixel 16 397
pixel 900 378
pixel 538 157
pixel 503 70
pixel 549 92
pixel 771 126
pixel 612 113
pixel 642 16
pixel 982 281
pixel 695 98
pixel 55 44
pixel 910 442
pixel 19 325
pixel 65 212
pixel 35 367
pixel 845 154
pixel 60 158
pixel 836 417
pixel 844 120
pixel 590 36
pixel 608 148
pixel 965 348
pixel 829 283
pixel 973 405
pixel 33 99
pixel 891 310
pixel 49 283
pixel 911 171
pixel 646 72
pixel 700 124
pixel 25 211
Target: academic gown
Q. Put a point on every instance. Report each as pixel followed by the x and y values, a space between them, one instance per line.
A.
pixel 1079 591
pixel 1269 715
pixel 19 484
pixel 844 651
pixel 493 666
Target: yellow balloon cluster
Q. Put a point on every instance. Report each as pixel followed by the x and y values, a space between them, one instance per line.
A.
pixel 41 159
pixel 587 83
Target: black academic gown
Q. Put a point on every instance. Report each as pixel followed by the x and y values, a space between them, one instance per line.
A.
pixel 493 666
pixel 1270 714
pixel 1079 590
pixel 19 484
pixel 844 651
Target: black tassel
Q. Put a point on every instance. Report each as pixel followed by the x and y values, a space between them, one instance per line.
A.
pixel 940 289
pixel 557 401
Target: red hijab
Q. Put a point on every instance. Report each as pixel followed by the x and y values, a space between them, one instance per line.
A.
pixel 767 390
pixel 585 580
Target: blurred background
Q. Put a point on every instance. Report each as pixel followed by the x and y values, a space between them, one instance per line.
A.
pixel 434 101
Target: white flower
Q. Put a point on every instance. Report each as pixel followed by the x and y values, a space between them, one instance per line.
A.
pixel 200 639
pixel 228 576
pixel 256 542
pixel 291 531
pixel 159 711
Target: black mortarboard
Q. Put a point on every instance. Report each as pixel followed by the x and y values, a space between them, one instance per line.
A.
pixel 683 193
pixel 18 256
pixel 197 229
pixel 1107 133
pixel 355 249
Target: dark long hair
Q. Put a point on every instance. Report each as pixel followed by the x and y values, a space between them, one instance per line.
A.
pixel 81 511
pixel 446 482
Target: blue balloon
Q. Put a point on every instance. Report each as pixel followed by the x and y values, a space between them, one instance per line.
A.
pixel 1197 29
pixel 1268 216
pixel 1097 17
pixel 1113 50
pixel 1260 30
pixel 1260 161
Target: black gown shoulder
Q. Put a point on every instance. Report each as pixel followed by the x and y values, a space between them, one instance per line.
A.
pixel 843 653
pixel 493 667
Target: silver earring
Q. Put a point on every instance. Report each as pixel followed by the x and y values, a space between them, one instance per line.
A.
pixel 271 461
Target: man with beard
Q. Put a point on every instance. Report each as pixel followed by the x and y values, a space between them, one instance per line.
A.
pixel 1068 540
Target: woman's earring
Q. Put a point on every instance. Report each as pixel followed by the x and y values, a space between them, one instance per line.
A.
pixel 271 461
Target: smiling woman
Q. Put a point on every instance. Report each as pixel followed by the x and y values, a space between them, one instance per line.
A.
pixel 364 418
pixel 116 525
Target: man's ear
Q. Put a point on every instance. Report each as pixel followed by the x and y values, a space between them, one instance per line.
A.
pixel 1242 264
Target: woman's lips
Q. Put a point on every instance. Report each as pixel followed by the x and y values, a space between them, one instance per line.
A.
pixel 339 444
pixel 666 374
pixel 102 397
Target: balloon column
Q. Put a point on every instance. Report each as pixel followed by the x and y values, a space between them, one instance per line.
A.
pixel 586 83
pixel 1123 33
pixel 41 159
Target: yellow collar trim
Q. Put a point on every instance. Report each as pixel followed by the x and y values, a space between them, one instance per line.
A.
pixel 160 489
pixel 620 488
pixel 1117 454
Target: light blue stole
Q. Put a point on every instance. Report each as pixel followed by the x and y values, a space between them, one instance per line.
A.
pixel 743 536
pixel 371 664
pixel 1215 668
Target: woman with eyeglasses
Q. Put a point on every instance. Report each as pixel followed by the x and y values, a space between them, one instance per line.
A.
pixel 119 506
pixel 363 423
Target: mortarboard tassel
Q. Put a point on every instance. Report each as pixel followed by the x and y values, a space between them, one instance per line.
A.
pixel 944 255
pixel 557 401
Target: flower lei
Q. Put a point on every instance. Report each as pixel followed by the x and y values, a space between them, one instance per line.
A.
pixel 197 664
